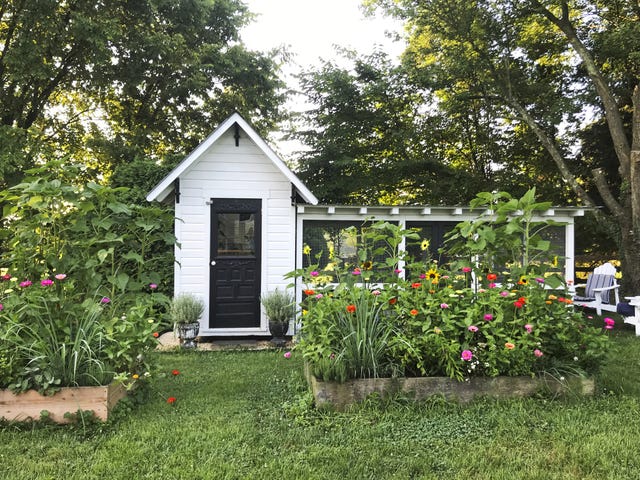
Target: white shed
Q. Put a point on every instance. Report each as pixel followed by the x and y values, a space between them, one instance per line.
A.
pixel 235 207
pixel 242 218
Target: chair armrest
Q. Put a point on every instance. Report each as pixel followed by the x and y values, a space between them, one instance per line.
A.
pixel 604 289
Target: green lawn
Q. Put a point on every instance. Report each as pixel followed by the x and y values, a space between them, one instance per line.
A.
pixel 244 414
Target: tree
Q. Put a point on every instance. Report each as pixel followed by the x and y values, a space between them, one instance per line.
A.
pixel 111 81
pixel 367 141
pixel 542 67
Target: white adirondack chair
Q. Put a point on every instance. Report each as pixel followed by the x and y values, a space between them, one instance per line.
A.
pixel 634 320
pixel 598 288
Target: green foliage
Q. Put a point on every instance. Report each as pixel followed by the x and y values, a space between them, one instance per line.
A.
pixel 504 232
pixel 54 225
pixel 81 273
pixel 186 308
pixel 388 314
pixel 106 83
pixel 279 306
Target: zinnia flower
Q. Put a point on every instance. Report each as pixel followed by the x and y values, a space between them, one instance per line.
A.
pixel 467 355
pixel 518 304
pixel 314 273
pixel 46 282
pixel 319 296
pixel 444 305
pixel 309 292
pixel 414 312
pixel 287 354
pixel 105 300
pixel 153 286
pixel 61 276
pixel 175 372
pixel 488 317
pixel 25 284
pixel 509 346
pixel 351 308
pixel 135 376
pixel 472 328
pixel 466 269
pixel 155 334
pixel 528 328
pixel 504 293
pixel 356 271
pixel 492 277
pixel 171 400
pixel 392 301
pixel 416 285
pixel 6 277
pixel 1 307
pixel 609 323
pixel 376 292
pixel 537 353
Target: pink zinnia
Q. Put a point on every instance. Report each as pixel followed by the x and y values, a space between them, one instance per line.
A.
pixel 488 317
pixel 46 282
pixel 504 293
pixel 528 328
pixel 537 353
pixel 287 355
pixel 472 328
pixel 25 284
pixel 444 305
pixel 6 277
pixel 314 273
pixel 375 292
pixel 105 300
pixel 466 355
pixel 153 286
pixel 61 276
pixel 609 323
pixel 492 285
pixel 1 307
pixel 466 269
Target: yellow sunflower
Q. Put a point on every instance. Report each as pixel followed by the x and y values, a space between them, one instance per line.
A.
pixel 433 275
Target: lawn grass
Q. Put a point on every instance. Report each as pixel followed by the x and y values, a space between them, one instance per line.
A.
pixel 245 415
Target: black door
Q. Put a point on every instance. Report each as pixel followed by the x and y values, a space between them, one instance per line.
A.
pixel 235 263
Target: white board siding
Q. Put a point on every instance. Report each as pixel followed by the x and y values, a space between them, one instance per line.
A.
pixel 227 171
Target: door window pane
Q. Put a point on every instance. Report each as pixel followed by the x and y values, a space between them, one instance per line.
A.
pixel 236 234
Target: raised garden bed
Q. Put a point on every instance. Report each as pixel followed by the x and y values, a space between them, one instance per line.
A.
pixel 340 395
pixel 30 405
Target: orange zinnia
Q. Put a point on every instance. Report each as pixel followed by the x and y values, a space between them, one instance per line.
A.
pixel 414 312
pixel 351 308
pixel 509 346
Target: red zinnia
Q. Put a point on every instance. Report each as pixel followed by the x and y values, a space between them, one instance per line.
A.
pixel 414 312
pixel 156 334
pixel 171 400
pixel 416 285
pixel 392 301
pixel 351 308
pixel 492 277
pixel 175 372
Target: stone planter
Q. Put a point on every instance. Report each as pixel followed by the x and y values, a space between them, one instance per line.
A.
pixel 187 333
pixel 340 395
pixel 30 404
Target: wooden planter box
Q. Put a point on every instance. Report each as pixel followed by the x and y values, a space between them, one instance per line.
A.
pixel 30 404
pixel 340 395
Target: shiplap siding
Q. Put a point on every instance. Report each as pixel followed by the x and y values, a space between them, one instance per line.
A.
pixel 229 171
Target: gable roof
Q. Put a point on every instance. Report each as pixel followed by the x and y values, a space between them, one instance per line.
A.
pixel 164 188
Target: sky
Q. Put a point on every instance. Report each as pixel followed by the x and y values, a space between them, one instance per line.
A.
pixel 311 29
